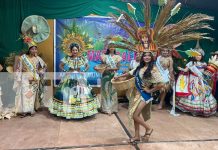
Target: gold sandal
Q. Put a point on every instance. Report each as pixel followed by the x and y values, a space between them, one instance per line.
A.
pixel 147 135
pixel 132 140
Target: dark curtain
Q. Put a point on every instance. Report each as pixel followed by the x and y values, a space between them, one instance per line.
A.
pixel 13 12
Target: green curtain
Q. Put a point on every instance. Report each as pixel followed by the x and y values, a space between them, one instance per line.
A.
pixel 13 12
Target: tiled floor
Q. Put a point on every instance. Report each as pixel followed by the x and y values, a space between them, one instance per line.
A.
pixel 204 145
pixel 103 132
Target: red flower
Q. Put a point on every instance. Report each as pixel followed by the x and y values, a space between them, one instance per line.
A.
pixel 27 39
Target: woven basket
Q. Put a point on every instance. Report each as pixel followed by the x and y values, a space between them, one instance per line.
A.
pixel 100 68
pixel 10 69
pixel 123 83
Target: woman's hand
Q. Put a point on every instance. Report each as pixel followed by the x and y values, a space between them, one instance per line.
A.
pixel 115 69
pixel 160 86
pixel 179 68
pixel 157 87
pixel 116 77
pixel 108 68
pixel 24 69
pixel 172 79
pixel 30 79
pixel 111 69
pixel 41 71
pixel 146 89
pixel 184 70
pixel 123 75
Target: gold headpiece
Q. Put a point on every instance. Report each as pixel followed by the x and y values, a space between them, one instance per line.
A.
pixel 141 31
pixel 72 38
pixel 151 46
pixel 110 44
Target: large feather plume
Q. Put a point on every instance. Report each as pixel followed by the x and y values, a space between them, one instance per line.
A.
pixel 184 30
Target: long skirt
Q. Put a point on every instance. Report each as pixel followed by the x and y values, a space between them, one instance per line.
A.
pixel 73 98
pixel 109 99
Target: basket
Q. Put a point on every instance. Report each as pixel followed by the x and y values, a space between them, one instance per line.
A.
pixel 210 70
pixel 123 83
pixel 100 68
pixel 10 69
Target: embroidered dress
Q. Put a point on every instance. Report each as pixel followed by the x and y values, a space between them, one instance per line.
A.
pixel 73 98
pixel 109 100
pixel 27 78
pixel 138 94
pixel 199 100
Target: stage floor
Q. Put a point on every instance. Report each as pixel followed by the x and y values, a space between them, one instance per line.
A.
pixel 103 132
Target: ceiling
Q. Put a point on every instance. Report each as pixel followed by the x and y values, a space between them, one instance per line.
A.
pixel 211 5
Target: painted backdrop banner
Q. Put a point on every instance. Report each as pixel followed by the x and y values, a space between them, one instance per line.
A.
pixel 97 28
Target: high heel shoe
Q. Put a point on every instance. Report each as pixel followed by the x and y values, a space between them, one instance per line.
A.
pixel 147 135
pixel 133 140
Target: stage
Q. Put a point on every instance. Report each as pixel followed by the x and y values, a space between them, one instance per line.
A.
pixel 103 132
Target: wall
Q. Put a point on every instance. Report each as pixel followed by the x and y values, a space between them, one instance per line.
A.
pixel 46 48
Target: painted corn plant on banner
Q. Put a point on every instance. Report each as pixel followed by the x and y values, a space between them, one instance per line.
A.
pixel 93 31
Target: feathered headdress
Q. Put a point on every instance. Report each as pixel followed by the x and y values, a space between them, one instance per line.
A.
pixel 162 34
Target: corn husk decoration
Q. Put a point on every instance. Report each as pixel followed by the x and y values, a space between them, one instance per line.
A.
pixel 176 9
pixel 131 8
pixel 162 2
pixel 121 17
pixel 213 60
pixel 186 29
